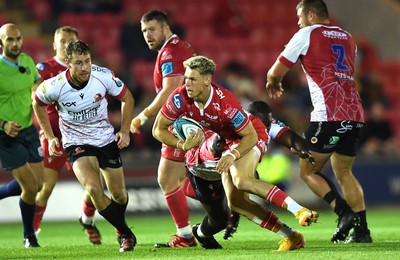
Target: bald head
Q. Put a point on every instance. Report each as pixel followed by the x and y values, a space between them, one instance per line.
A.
pixel 11 41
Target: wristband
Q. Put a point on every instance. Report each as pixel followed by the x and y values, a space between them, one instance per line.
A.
pixel 236 153
pixel 142 118
pixel 3 124
pixel 231 154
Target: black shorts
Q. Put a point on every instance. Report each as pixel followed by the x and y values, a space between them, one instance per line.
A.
pixel 207 192
pixel 327 137
pixel 17 151
pixel 108 156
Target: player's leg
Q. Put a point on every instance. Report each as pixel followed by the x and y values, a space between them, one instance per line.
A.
pixel 115 212
pixel 354 195
pixel 87 220
pixel 171 175
pixel 243 178
pixel 261 216
pixel 10 189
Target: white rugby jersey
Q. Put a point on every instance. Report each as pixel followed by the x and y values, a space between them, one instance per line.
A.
pixel 327 55
pixel 83 112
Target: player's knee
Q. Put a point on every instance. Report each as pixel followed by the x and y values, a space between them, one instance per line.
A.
pixel 120 196
pixel 242 183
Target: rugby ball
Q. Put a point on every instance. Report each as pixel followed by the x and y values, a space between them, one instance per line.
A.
pixel 184 126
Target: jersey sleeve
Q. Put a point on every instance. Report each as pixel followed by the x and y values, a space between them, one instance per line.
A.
pixel 115 87
pixel 277 129
pixel 297 46
pixel 174 106
pixel 43 94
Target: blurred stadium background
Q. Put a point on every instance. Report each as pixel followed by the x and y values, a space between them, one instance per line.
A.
pixel 244 38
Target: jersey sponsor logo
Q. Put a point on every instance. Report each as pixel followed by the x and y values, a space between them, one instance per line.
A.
pixel 177 100
pixel 69 104
pixel 220 94
pixel 40 66
pixel 346 126
pixel 334 35
pixel 238 119
pixel 334 139
pixel 99 69
pixel 217 107
pixel 84 114
pixel 167 68
pixel 81 95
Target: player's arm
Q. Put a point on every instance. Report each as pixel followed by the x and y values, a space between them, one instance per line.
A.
pixel 43 119
pixel 127 104
pixel 296 144
pixel 247 142
pixel 169 85
pixel 161 133
pixel 274 79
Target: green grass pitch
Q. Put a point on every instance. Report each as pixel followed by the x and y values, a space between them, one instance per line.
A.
pixel 66 240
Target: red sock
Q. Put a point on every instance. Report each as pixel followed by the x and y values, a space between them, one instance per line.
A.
pixel 88 209
pixel 269 221
pixel 37 220
pixel 178 207
pixel 276 196
pixel 188 189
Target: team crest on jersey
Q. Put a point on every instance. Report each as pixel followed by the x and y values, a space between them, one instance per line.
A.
pixel 97 98
pixel 177 100
pixel 78 150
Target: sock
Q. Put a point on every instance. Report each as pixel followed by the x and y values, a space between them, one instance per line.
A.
pixel 285 231
pixel 188 189
pixel 276 196
pixel 27 213
pixel 199 232
pixel 10 189
pixel 363 222
pixel 270 222
pixel 115 214
pixel 37 220
pixel 88 213
pixel 185 232
pixel 292 206
pixel 341 205
pixel 178 207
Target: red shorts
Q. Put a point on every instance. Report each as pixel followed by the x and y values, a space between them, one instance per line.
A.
pixel 171 153
pixel 50 162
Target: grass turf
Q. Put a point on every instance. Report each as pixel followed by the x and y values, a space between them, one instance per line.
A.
pixel 66 240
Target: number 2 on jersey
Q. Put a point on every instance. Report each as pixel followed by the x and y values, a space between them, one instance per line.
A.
pixel 339 50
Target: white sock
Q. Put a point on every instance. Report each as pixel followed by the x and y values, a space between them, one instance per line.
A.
pixel 185 232
pixel 292 206
pixel 199 233
pixel 285 231
pixel 87 220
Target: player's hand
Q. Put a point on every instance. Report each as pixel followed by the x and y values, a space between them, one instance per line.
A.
pixel 194 140
pixel 135 125
pixel 225 163
pixel 122 139
pixel 55 148
pixel 12 128
pixel 274 91
pixel 304 154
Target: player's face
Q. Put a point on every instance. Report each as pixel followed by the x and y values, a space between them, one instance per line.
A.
pixel 80 67
pixel 11 43
pixel 154 34
pixel 60 43
pixel 197 85
pixel 303 18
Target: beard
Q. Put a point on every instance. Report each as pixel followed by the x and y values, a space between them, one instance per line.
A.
pixel 13 55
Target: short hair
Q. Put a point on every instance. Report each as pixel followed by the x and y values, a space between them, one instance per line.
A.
pixel 78 47
pixel 261 110
pixel 67 29
pixel 158 15
pixel 316 6
pixel 203 65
